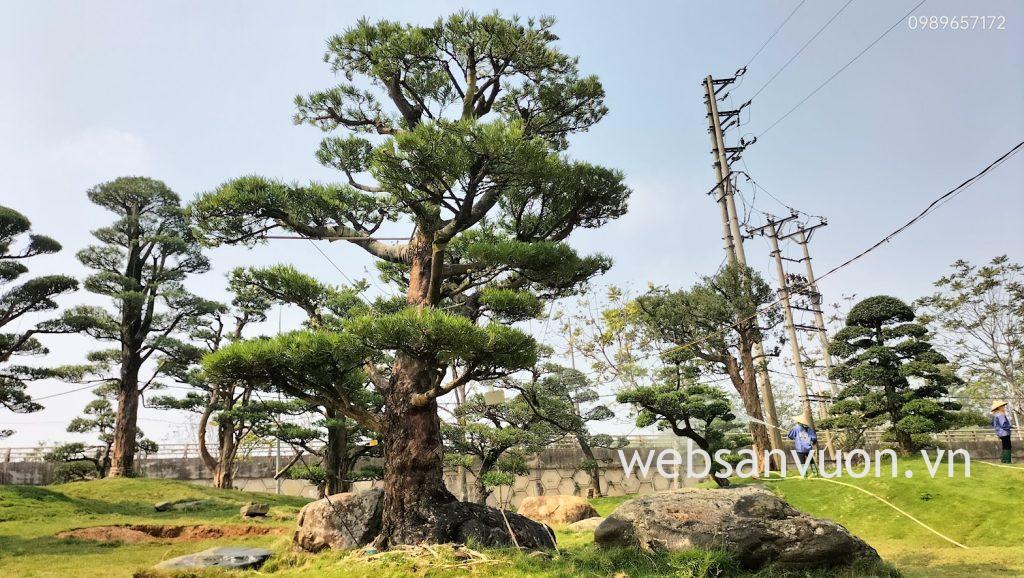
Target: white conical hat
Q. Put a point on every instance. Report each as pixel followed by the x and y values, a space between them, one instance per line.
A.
pixel 800 420
pixel 998 404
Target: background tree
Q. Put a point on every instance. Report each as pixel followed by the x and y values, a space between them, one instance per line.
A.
pixel 225 403
pixel 98 418
pixel 892 376
pixel 458 130
pixel 688 410
pixel 140 263
pixel 327 307
pixel 322 368
pixel 715 324
pixel 978 317
pixel 566 401
pixel 290 422
pixel 16 301
pixel 492 441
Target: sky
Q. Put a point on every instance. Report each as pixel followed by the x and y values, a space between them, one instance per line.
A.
pixel 196 93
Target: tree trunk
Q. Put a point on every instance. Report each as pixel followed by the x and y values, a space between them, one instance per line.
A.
pixel 126 424
pixel 595 468
pixel 336 456
pixel 746 385
pixel 413 459
pixel 414 489
pixel 224 472
pixel 482 493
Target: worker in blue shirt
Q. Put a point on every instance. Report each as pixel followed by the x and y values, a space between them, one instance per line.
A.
pixel 804 438
pixel 1001 424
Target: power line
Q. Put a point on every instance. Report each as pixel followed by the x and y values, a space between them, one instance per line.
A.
pixel 842 68
pixel 930 208
pixel 805 45
pixel 338 269
pixel 90 386
pixel 774 33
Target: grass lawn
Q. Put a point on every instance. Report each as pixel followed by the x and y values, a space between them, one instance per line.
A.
pixel 982 512
pixel 979 512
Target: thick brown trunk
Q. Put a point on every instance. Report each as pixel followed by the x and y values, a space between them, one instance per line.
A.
pixel 414 489
pixel 336 456
pixel 414 486
pixel 122 460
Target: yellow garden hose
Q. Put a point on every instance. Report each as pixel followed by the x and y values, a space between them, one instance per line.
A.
pixel 895 507
pixel 1000 466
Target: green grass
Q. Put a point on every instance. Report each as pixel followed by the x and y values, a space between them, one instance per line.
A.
pixel 980 512
pixel 30 518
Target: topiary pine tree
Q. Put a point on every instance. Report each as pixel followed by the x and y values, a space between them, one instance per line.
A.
pixel 327 308
pixel 140 263
pixel 717 322
pixel 491 441
pixel 224 403
pixel 688 410
pixel 460 128
pixel 16 301
pixel 893 377
pixel 567 401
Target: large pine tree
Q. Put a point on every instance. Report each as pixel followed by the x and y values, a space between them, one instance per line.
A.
pixel 19 299
pixel 140 263
pixel 457 132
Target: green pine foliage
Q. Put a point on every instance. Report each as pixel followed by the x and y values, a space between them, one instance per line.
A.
pixel 893 378
pixel 18 298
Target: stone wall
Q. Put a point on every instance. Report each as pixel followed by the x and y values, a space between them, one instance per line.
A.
pixel 553 471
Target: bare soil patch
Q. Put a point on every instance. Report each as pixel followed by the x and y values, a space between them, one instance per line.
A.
pixel 154 532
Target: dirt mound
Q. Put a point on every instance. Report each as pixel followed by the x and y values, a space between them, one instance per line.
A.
pixel 152 532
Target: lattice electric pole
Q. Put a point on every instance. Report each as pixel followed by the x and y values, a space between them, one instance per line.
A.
pixel 802 237
pixel 731 235
pixel 790 285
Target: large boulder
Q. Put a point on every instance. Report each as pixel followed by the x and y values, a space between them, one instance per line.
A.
pixel 556 510
pixel 751 522
pixel 352 520
pixel 342 521
pixel 222 557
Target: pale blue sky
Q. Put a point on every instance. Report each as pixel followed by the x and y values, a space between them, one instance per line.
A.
pixel 195 93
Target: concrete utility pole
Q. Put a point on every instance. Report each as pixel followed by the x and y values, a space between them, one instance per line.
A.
pixel 803 237
pixel 807 288
pixel 771 230
pixel 733 239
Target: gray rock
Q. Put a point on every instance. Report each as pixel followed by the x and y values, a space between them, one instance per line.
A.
pixel 586 524
pixel 221 557
pixel 189 506
pixel 751 522
pixel 342 521
pixel 180 506
pixel 254 510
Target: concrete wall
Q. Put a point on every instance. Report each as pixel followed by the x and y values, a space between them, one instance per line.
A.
pixel 553 471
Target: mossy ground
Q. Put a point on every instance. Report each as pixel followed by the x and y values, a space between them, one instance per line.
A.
pixel 980 512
